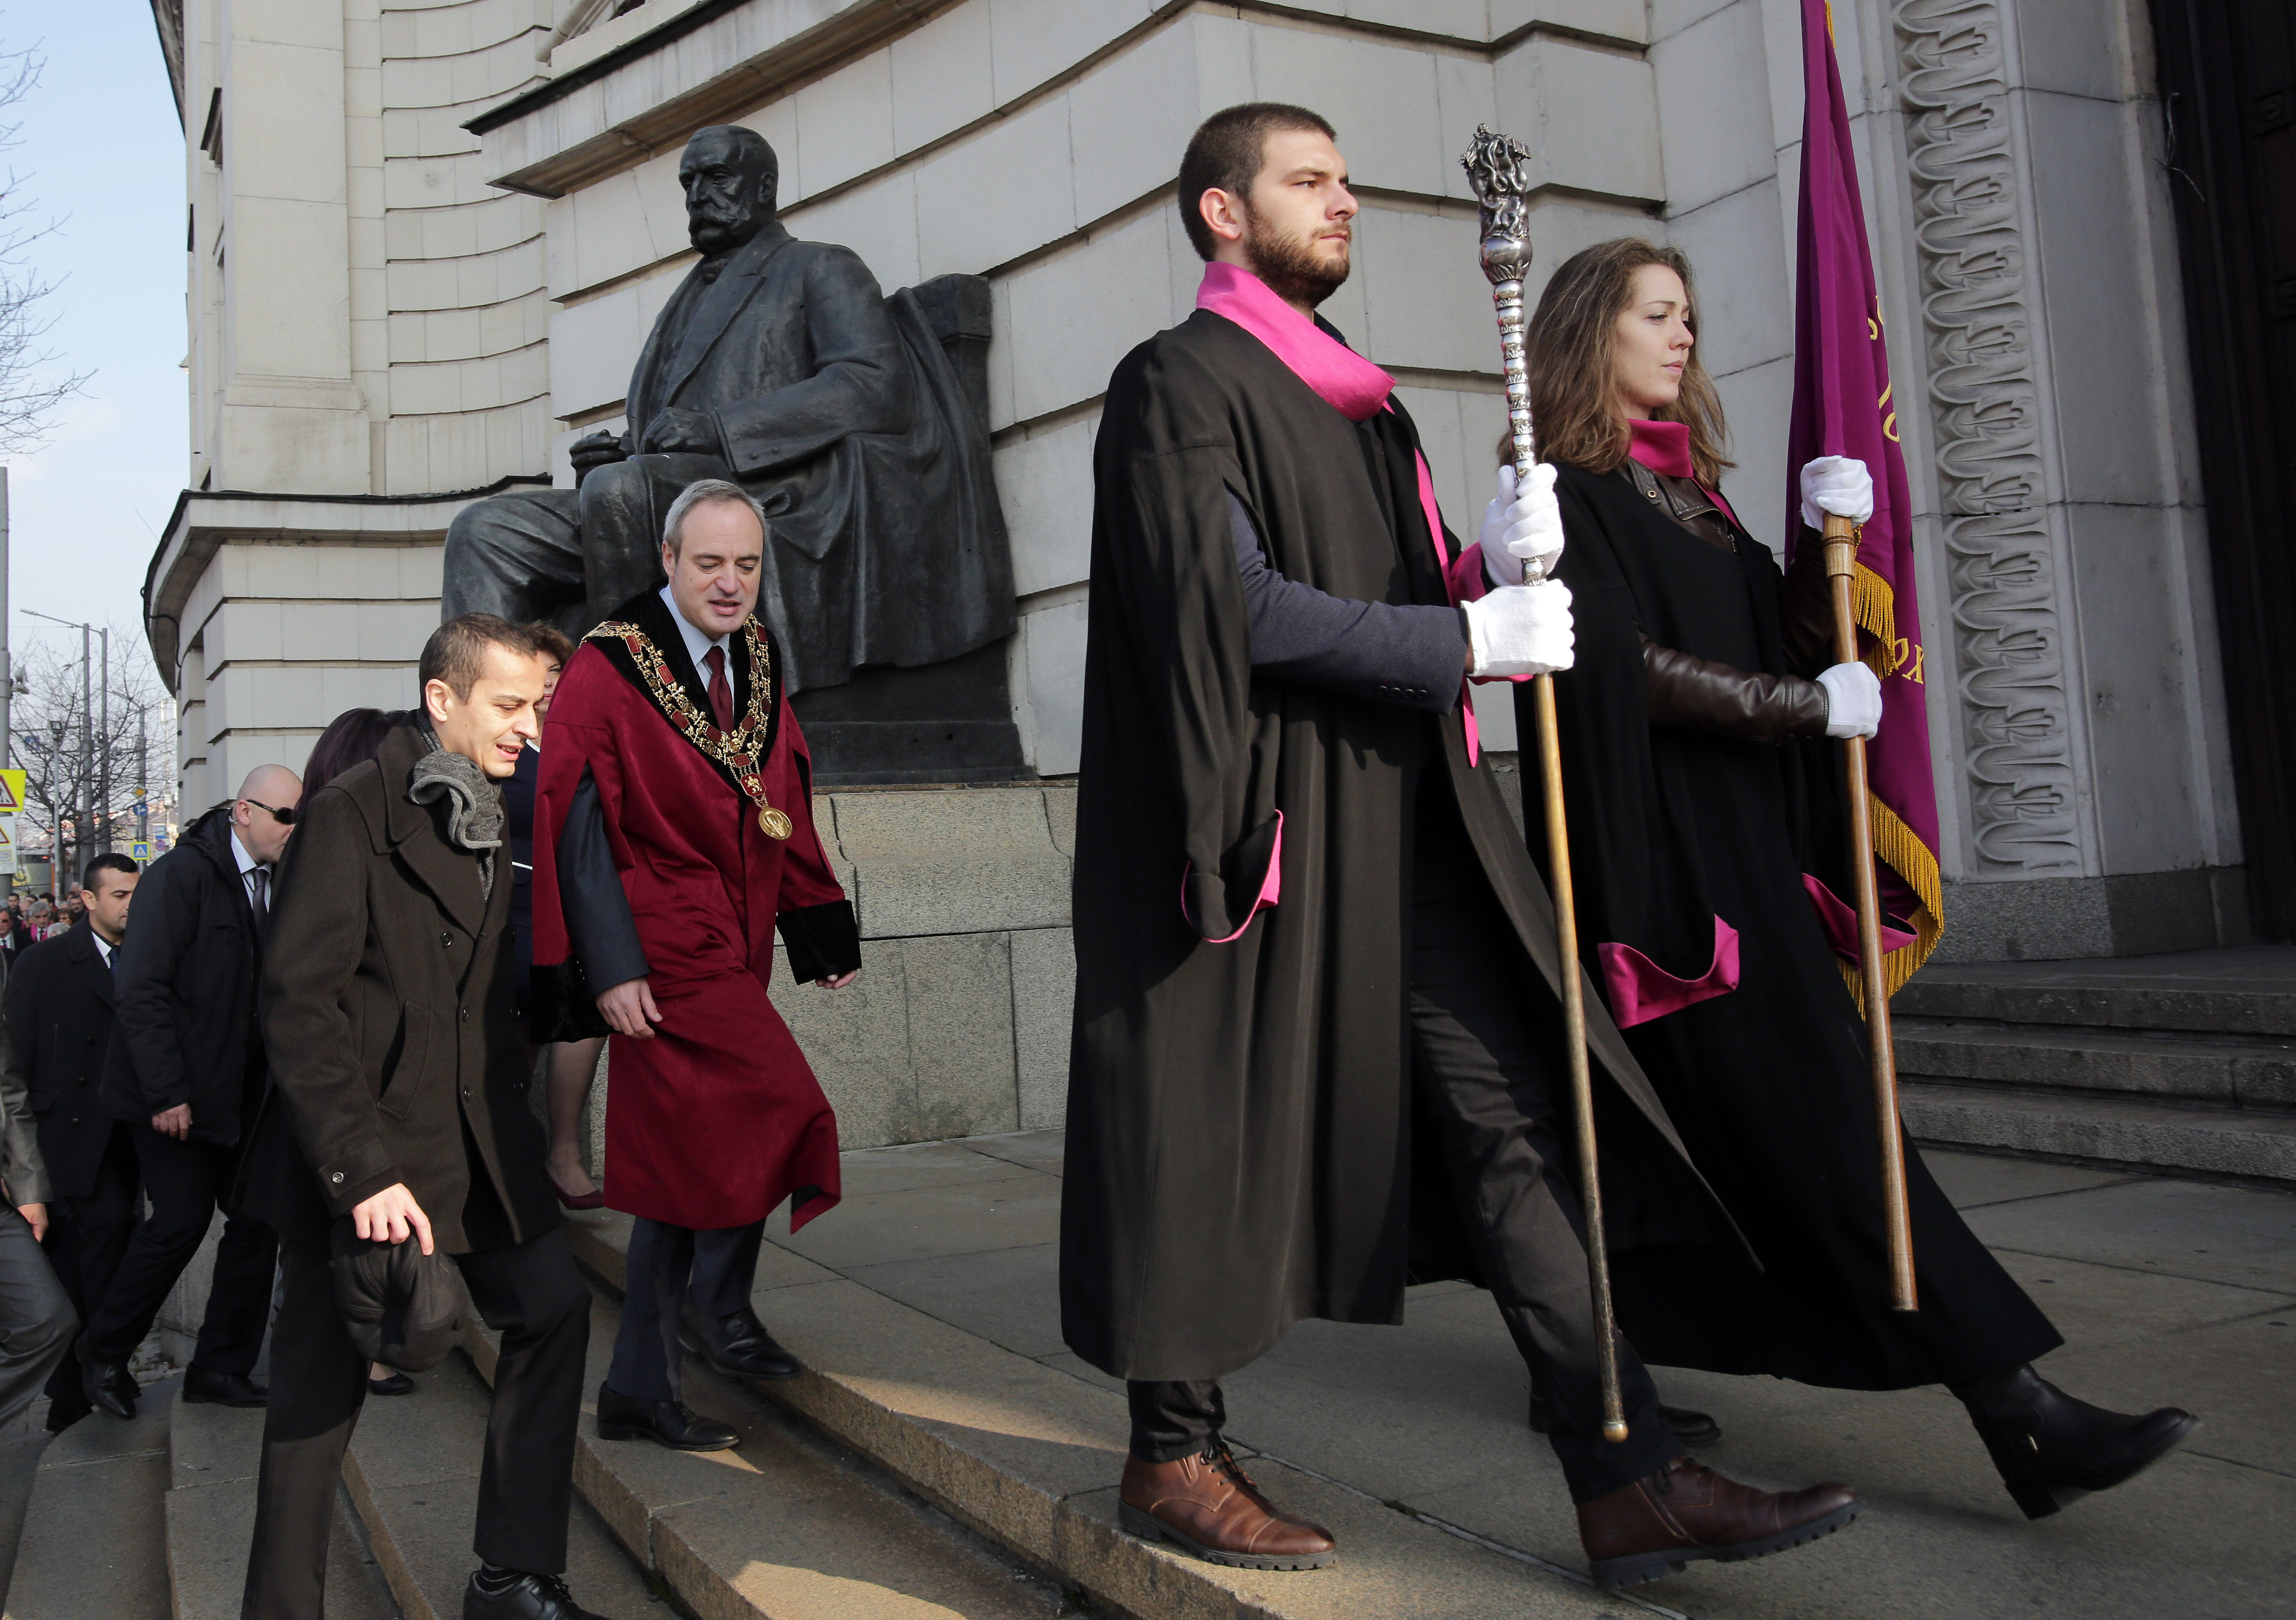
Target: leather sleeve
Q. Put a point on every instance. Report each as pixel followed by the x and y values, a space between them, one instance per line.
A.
pixel 1700 695
pixel 1806 608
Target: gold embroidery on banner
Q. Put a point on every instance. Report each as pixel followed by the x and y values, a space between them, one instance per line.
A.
pixel 737 750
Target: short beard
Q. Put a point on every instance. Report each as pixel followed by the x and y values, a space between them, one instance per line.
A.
pixel 1290 266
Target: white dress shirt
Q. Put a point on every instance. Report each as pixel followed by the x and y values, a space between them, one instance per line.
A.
pixel 247 863
pixel 697 641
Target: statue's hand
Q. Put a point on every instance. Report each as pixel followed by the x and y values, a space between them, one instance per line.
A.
pixel 597 449
pixel 674 429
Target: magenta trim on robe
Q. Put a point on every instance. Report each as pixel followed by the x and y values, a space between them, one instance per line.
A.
pixel 1271 887
pixel 1840 922
pixel 1664 447
pixel 1641 990
pixel 1344 381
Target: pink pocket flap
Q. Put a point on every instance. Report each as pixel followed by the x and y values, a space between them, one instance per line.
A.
pixel 1641 990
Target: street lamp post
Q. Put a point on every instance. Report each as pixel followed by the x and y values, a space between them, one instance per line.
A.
pixel 83 821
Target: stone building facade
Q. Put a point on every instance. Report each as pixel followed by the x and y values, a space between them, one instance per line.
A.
pixel 428 237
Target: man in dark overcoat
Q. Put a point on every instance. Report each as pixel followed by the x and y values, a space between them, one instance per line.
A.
pixel 1315 964
pixel 37 1320
pixel 398 1061
pixel 59 1000
pixel 780 365
pixel 186 1072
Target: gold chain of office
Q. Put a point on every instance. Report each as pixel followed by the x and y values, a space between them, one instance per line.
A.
pixel 738 749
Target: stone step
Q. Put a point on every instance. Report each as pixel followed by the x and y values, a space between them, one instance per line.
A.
pixel 2222 992
pixel 2190 1139
pixel 214 1454
pixel 2247 1072
pixel 782 1528
pixel 413 1474
pixel 1029 1455
pixel 94 1545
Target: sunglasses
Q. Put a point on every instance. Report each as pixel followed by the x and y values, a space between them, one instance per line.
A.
pixel 285 818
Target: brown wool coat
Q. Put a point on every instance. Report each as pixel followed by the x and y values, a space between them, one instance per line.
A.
pixel 387 1011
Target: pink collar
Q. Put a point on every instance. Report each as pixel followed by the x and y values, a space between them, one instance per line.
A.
pixel 1348 383
pixel 1662 446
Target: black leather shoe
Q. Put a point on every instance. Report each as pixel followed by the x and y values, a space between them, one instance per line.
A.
pixel 741 1347
pixel 622 1417
pixel 1692 1429
pixel 202 1387
pixel 62 1415
pixel 2052 1450
pixel 529 1597
pixel 107 1384
pixel 396 1384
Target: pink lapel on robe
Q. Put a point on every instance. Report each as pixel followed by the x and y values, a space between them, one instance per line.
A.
pixel 1839 922
pixel 1641 990
pixel 1348 383
pixel 1664 447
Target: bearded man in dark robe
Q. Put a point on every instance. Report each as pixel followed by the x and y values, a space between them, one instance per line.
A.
pixel 780 365
pixel 1315 964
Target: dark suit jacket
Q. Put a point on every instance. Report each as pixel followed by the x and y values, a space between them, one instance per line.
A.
pixel 185 985
pixel 58 1000
pixel 386 1000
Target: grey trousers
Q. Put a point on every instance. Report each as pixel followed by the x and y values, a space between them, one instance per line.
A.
pixel 565 555
pixel 667 1267
pixel 36 1324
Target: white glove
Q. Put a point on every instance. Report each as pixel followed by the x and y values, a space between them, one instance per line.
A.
pixel 1520 630
pixel 1838 485
pixel 1853 699
pixel 1516 531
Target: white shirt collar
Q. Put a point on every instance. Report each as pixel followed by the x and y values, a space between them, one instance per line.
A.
pixel 246 863
pixel 697 642
pixel 102 945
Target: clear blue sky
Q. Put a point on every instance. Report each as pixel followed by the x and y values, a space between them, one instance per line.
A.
pixel 100 150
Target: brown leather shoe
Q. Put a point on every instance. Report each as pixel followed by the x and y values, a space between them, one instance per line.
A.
pixel 1657 1526
pixel 1207 1505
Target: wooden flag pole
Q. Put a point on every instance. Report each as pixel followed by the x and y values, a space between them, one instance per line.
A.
pixel 1840 574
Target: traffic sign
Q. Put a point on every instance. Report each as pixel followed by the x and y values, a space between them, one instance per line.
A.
pixel 139 850
pixel 12 791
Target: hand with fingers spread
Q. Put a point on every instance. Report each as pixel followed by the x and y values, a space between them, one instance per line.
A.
pixel 628 1009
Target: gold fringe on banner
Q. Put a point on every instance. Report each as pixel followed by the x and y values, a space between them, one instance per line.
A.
pixel 1875 605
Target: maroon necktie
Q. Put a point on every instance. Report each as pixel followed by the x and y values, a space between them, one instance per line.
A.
pixel 721 695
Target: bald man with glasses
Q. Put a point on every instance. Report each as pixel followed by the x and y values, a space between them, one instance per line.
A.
pixel 186 1074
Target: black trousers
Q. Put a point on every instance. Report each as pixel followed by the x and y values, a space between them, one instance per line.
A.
pixel 36 1318
pixel 668 1267
pixel 185 1181
pixel 87 1238
pixel 1487 1065
pixel 531 1293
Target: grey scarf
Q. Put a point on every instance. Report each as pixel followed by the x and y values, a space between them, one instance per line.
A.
pixel 474 805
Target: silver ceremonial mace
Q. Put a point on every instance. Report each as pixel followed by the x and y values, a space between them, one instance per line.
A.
pixel 1495 168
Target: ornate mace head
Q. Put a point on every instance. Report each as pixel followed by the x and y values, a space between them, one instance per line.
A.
pixel 1497 167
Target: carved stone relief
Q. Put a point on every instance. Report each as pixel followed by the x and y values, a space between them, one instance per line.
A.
pixel 1984 401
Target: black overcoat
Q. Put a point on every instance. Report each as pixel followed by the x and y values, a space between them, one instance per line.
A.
pixel 184 990
pixel 1239 1142
pixel 60 997
pixel 1769 1083
pixel 387 1005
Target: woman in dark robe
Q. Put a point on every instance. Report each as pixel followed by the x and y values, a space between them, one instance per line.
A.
pixel 1701 789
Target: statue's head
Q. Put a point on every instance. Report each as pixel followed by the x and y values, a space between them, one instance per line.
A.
pixel 730 175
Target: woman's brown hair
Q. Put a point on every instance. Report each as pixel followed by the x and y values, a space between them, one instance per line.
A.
pixel 1572 349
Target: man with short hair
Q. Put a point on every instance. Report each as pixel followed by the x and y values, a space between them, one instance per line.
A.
pixel 673 752
pixel 186 1073
pixel 1358 951
pixel 400 1062
pixel 59 1001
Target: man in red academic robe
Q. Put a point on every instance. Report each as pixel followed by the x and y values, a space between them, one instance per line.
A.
pixel 673 831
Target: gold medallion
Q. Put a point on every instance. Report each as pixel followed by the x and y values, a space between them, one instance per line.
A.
pixel 774 822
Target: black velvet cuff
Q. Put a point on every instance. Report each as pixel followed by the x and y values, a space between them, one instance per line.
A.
pixel 561 1005
pixel 823 941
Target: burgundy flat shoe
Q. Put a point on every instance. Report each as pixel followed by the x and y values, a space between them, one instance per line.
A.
pixel 579 1201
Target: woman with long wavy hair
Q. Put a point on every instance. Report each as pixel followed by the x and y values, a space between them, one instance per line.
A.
pixel 1707 841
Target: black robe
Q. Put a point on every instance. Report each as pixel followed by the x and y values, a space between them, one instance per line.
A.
pixel 1240 1149
pixel 1768 1084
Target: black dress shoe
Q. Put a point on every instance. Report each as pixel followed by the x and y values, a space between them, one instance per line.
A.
pixel 62 1416
pixel 1694 1429
pixel 202 1387
pixel 2052 1450
pixel 622 1417
pixel 531 1597
pixel 396 1384
pixel 108 1385
pixel 741 1347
